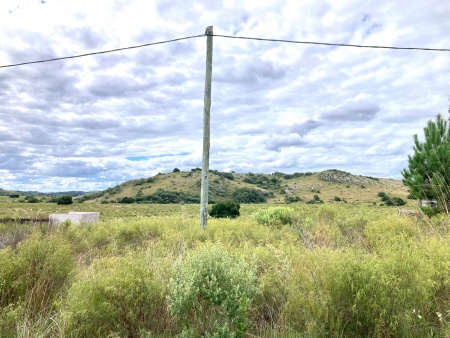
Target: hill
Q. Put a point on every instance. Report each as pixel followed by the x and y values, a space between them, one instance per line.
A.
pixel 184 187
pixel 4 192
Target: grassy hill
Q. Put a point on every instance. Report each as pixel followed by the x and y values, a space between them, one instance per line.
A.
pixel 329 186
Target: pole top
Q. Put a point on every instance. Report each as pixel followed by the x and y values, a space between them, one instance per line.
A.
pixel 209 30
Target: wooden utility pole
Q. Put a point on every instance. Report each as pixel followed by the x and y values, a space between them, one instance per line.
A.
pixel 206 130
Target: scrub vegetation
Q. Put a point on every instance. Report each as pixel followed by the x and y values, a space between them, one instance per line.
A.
pixel 302 270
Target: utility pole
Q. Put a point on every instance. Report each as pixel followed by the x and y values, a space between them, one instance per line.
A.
pixel 206 129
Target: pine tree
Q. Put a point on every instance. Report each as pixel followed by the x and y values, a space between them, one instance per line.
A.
pixel 428 172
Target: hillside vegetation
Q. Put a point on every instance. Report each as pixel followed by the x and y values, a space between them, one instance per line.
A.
pixel 184 187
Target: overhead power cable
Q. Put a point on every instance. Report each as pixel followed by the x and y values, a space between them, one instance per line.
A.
pixel 334 44
pixel 231 37
pixel 101 52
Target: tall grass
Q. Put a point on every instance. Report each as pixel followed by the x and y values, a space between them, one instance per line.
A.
pixel 330 271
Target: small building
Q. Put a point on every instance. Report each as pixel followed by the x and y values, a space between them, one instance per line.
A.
pixel 75 217
pixel 427 203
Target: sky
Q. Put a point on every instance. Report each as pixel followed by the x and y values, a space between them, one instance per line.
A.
pixel 93 122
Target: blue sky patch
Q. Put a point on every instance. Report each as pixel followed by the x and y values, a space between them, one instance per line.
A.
pixel 143 158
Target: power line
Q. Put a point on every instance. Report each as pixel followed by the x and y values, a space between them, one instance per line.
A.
pixel 231 37
pixel 101 52
pixel 334 44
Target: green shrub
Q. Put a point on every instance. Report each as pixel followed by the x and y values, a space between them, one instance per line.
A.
pixel 337 199
pixel 14 196
pixel 64 200
pixel 275 216
pixel 316 200
pixel 31 199
pixel 391 201
pixel 228 176
pixel 292 199
pixel 211 292
pixel 430 211
pixel 35 272
pixel 225 209
pixel 176 170
pixel 248 195
pixel 263 181
pixel 126 200
pixel 162 196
pixel 115 297
pixel 395 201
pixel 359 295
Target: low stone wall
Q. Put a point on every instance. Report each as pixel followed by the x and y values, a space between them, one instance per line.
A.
pixel 75 217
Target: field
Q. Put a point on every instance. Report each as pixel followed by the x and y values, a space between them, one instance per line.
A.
pixel 297 270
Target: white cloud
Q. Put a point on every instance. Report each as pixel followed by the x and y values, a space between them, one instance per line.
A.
pixel 275 106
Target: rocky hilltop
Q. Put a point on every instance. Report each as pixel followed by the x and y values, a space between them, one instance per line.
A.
pixel 338 176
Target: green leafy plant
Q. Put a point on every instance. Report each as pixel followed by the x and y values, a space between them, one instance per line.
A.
pixel 316 200
pixel 225 209
pixel 115 296
pixel 263 181
pixel 35 272
pixel 126 200
pixel 428 172
pixel 32 199
pixel 276 216
pixel 292 199
pixel 248 195
pixel 64 200
pixel 211 291
pixel 391 201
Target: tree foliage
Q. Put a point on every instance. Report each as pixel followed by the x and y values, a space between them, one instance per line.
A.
pixel 31 199
pixel 428 172
pixel 65 200
pixel 225 209
pixel 263 181
pixel 248 195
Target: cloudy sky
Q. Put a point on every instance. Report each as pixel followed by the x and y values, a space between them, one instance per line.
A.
pixel 93 122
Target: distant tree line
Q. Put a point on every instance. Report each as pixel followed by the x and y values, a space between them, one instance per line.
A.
pixel 263 181
pixel 161 196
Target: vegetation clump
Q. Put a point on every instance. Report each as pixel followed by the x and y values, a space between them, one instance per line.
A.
pixel 228 176
pixel 294 175
pixel 116 296
pixel 64 200
pixel 225 209
pixel 391 201
pixel 316 200
pixel 126 200
pixel 248 195
pixel 296 271
pixel 263 181
pixel 428 172
pixel 35 272
pixel 292 199
pixel 276 216
pixel 31 199
pixel 216 286
pixel 162 196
